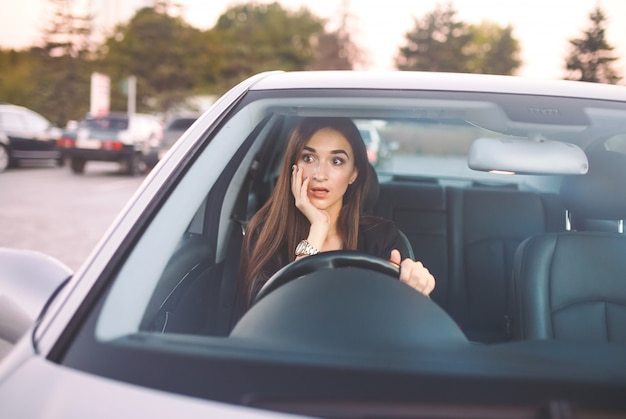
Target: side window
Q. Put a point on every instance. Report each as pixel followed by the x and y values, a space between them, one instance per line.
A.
pixel 172 280
pixel 35 122
pixel 12 121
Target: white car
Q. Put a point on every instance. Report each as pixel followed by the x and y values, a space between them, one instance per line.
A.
pixel 511 192
pixel 134 141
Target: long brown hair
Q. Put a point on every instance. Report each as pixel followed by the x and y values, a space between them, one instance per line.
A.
pixel 275 230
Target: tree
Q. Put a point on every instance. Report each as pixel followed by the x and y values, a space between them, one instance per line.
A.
pixel 161 51
pixel 18 84
pixel 170 59
pixel 68 32
pixel 440 42
pixel 336 49
pixel 493 50
pixel 436 43
pixel 52 78
pixel 260 37
pixel 331 52
pixel 63 76
pixel 590 57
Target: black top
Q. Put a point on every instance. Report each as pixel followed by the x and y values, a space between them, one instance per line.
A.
pixel 378 237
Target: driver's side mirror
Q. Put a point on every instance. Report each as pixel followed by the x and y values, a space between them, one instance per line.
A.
pixel 28 279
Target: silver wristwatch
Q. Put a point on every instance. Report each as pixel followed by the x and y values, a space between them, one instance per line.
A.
pixel 304 248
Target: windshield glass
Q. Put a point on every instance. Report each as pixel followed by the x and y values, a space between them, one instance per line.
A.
pixel 430 147
pixel 176 291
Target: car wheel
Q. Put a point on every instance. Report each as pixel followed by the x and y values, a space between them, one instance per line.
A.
pixel 134 165
pixel 4 158
pixel 78 166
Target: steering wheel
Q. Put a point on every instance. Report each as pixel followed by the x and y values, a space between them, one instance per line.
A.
pixel 325 260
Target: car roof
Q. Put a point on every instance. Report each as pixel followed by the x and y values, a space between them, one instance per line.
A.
pixel 13 107
pixel 434 81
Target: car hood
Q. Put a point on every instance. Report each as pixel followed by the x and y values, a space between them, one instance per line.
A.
pixel 66 393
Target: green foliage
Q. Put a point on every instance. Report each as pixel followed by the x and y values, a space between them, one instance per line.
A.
pixel 63 76
pixel 590 57
pixel 436 43
pixel 52 79
pixel 67 33
pixel 493 50
pixel 170 59
pixel 335 51
pixel 262 37
pixel 161 51
pixel 16 76
pixel 440 42
pixel 63 88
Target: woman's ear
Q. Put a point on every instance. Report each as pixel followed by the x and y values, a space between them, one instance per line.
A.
pixel 355 174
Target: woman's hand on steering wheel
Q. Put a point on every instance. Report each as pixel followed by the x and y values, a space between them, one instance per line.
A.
pixel 414 273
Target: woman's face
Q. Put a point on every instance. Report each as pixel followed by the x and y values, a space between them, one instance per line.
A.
pixel 327 160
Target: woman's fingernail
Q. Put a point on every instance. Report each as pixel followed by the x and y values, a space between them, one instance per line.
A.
pixel 293 167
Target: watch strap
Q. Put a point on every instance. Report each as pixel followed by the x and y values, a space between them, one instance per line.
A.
pixel 304 248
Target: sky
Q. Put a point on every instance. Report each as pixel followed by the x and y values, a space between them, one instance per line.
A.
pixel 543 27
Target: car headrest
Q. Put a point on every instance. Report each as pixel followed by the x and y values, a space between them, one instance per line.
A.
pixel 372 189
pixel 601 193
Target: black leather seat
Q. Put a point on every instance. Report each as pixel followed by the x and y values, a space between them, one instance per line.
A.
pixel 370 199
pixel 488 224
pixel 572 285
pixel 467 237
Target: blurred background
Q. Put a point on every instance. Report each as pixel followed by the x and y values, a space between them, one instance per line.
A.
pixel 184 53
pixel 67 60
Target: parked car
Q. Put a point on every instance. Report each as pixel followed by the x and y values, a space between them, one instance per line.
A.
pixel 133 141
pixel 174 129
pixel 377 148
pixel 510 191
pixel 26 135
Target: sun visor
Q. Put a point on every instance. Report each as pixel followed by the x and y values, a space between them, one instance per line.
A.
pixel 526 156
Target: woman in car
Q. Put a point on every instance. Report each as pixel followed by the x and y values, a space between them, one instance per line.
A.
pixel 316 206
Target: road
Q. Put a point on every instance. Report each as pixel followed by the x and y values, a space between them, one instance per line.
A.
pixel 61 214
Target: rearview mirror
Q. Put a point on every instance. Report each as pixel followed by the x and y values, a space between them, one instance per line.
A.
pixel 527 156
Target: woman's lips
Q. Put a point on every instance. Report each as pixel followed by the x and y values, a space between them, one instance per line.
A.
pixel 319 192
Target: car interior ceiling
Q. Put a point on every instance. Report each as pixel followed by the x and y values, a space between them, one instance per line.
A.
pixel 466 235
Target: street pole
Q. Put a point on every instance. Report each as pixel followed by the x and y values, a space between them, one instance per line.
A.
pixel 132 94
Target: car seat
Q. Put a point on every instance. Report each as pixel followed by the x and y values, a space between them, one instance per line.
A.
pixel 572 285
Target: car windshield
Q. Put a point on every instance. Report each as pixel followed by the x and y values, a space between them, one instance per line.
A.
pixel 466 176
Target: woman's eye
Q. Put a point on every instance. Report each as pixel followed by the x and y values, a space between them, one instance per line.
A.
pixel 337 161
pixel 307 158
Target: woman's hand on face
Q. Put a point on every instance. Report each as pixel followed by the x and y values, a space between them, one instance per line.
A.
pixel 413 273
pixel 299 188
